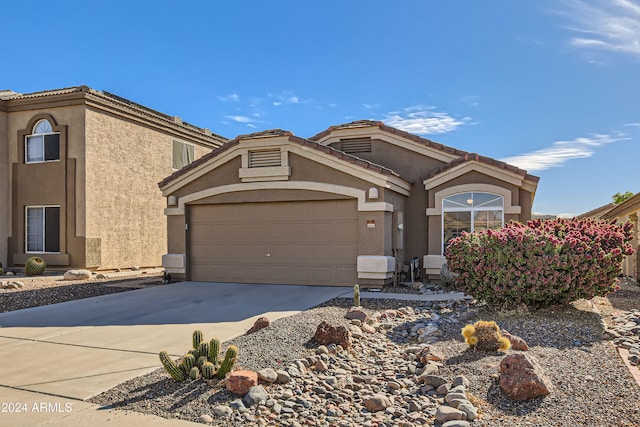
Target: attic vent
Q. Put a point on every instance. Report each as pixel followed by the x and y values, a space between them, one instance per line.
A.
pixel 356 145
pixel 265 158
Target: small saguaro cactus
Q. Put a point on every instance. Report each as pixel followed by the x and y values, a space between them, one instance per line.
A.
pixel 197 339
pixel 189 361
pixel 229 359
pixel 171 367
pixel 203 350
pixel 356 295
pixel 484 335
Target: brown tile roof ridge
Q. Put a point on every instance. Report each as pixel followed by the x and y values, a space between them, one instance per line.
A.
pixel 482 159
pixel 599 211
pixel 118 100
pixel 380 125
pixel 292 138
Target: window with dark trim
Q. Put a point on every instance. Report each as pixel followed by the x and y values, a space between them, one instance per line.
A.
pixel 42 229
pixel 43 145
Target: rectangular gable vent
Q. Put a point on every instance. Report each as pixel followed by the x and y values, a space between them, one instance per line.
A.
pixel 356 145
pixel 265 158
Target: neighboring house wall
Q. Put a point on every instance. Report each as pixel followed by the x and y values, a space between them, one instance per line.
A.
pixel 4 185
pixel 112 154
pixel 629 211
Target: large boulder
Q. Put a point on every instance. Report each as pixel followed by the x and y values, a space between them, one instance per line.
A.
pixel 77 275
pixel 327 334
pixel 522 378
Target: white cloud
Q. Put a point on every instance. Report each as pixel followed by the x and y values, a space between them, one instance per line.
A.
pixel 229 98
pixel 371 106
pixel 605 25
pixel 284 98
pixel 561 152
pixel 422 120
pixel 241 119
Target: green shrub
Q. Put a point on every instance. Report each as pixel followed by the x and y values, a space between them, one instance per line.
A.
pixel 542 263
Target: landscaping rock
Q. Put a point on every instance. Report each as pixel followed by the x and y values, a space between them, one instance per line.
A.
pixel 260 323
pixel 517 343
pixel 327 334
pixel 77 275
pixel 356 313
pixel 239 382
pixel 267 375
pixel 222 411
pixel 447 413
pixel 205 419
pixel 377 402
pixel 522 378
pixel 255 395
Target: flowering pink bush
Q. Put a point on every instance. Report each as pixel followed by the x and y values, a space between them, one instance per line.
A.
pixel 542 263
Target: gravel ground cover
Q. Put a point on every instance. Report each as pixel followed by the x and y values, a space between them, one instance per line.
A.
pixel 591 385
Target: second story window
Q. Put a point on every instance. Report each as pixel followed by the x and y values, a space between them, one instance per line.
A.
pixel 43 145
pixel 183 154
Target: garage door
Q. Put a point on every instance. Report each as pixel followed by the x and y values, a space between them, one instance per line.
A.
pixel 306 243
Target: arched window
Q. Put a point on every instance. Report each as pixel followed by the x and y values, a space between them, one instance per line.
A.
pixel 469 212
pixel 43 145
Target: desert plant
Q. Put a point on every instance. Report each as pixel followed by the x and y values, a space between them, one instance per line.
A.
pixel 171 367
pixel 34 266
pixel 485 336
pixel 208 370
pixel 214 351
pixel 230 358
pixel 194 373
pixel 542 263
pixel 197 338
pixel 356 295
pixel 447 277
pixel 201 362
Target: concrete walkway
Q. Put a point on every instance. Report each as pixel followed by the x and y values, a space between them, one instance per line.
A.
pixel 55 357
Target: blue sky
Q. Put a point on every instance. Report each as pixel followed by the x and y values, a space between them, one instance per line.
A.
pixel 552 86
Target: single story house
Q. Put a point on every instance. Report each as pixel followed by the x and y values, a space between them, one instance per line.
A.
pixel 352 204
pixel 78 177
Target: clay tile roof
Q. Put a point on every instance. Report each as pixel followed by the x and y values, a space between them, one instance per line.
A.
pixel 482 159
pixel 292 138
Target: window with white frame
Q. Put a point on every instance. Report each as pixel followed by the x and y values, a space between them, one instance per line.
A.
pixel 469 212
pixel 42 229
pixel 183 154
pixel 43 145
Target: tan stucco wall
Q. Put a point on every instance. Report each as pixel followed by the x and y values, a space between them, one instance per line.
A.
pixel 125 208
pixel 411 166
pixel 4 187
pixel 50 183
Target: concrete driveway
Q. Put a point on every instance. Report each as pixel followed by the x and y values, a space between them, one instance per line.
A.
pixel 80 348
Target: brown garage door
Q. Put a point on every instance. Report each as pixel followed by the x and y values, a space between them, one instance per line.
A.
pixel 307 243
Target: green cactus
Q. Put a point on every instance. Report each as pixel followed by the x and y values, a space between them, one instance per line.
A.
pixel 203 350
pixel 189 361
pixel 214 351
pixel 356 295
pixel 194 373
pixel 230 358
pixel 208 370
pixel 34 266
pixel 197 339
pixel 201 361
pixel 171 367
pixel 194 353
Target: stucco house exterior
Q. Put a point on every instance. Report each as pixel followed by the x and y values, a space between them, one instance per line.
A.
pixel 629 210
pixel 78 177
pixel 352 204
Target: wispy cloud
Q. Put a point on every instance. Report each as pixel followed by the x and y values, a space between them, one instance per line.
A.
pixel 560 152
pixel 233 97
pixel 284 98
pixel 423 120
pixel 604 25
pixel 371 106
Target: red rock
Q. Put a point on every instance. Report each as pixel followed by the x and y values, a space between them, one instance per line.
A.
pixel 517 343
pixel 261 323
pixel 327 334
pixel 239 382
pixel 522 378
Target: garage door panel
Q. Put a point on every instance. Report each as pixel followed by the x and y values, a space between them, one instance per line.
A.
pixel 308 242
